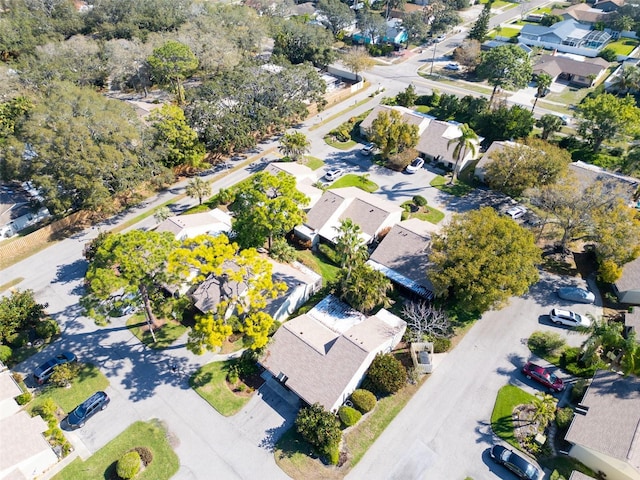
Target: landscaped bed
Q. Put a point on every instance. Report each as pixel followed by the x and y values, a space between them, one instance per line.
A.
pixel 152 435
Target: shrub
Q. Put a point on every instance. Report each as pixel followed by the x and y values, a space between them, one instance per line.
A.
pixel 420 200
pixel 18 340
pixel 24 398
pixel 363 400
pixel 47 408
pixel 47 328
pixel 145 455
pixel 63 374
pixel 564 417
pixel 440 344
pixel 609 54
pixel 348 415
pixel 281 251
pixel 387 373
pixel 18 378
pixel 129 465
pixel 578 391
pixel 233 376
pixel 320 428
pixel 333 455
pixel 545 342
pixel 329 252
pixel 5 353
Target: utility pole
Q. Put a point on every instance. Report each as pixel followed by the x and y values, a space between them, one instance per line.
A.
pixel 433 58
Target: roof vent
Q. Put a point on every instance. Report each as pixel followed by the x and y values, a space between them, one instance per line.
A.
pixel 582 409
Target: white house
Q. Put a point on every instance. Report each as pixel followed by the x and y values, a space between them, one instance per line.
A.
pixel 214 222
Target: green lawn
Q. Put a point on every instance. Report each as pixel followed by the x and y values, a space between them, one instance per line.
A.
pixel 210 383
pixel 320 264
pixel 458 189
pixel 352 180
pixel 101 464
pixel 508 398
pixel 340 145
pixel 432 215
pixel 623 46
pixel 565 465
pixel 507 32
pixel 165 335
pixel 88 381
pixel 422 108
pixel 313 163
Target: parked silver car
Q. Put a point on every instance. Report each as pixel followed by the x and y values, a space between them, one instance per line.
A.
pixel 575 294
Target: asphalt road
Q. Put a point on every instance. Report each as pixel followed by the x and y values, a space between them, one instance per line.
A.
pixel 444 431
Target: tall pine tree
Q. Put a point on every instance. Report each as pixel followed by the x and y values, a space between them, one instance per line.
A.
pixel 481 27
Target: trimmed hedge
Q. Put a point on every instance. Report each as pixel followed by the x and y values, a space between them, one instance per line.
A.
pixel 564 417
pixel 24 398
pixel 545 342
pixel 363 400
pixel 348 415
pixel 420 201
pixel 129 465
pixel 441 345
pixel 387 374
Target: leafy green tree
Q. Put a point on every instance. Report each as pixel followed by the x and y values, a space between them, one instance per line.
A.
pixel 350 248
pixel 628 81
pixel 294 145
pixel 506 66
pixel 135 262
pixel 357 60
pixel 482 258
pixel 304 42
pixel 364 288
pixel 19 311
pixel 175 140
pixel 198 188
pixel 319 427
pixel 269 206
pixel 337 15
pixel 171 64
pixel 467 142
pixel 517 167
pixel 11 112
pixel 549 123
pixel 63 374
pixel 408 97
pixel 371 24
pixel 503 123
pixel 80 148
pixel 607 345
pixel 391 134
pixel 416 24
pixel 607 117
pixel 387 374
pixel 543 81
pixel 481 26
pixel 544 409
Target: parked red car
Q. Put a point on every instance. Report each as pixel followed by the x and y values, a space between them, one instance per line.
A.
pixel 543 377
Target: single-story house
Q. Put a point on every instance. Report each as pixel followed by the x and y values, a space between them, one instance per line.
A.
pixel 371 212
pixel 301 283
pixel 605 430
pixel 493 43
pixel 582 73
pixel 608 5
pixel 434 144
pixel 567 36
pixel 305 178
pixel 214 222
pixel 409 116
pixel 583 13
pixel 403 257
pixel 627 287
pixel 25 451
pixel 323 355
pixel 394 33
pixel 480 170
pixel 587 173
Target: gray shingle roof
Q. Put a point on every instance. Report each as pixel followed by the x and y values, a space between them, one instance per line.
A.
pixel 630 279
pixel 611 423
pixel 587 174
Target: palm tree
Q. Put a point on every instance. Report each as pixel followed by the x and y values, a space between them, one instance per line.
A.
pixel 628 80
pixel 161 214
pixel 349 245
pixel 544 409
pixel 198 188
pixel 543 81
pixel 466 142
pixel 294 145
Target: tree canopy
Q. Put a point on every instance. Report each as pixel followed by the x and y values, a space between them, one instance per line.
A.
pixel 177 143
pixel 482 258
pixel 517 167
pixel 267 207
pixel 506 66
pixel 391 134
pixel 19 311
pixel 171 63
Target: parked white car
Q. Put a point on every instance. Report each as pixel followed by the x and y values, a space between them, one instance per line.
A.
pixel 415 165
pixel 568 318
pixel 368 149
pixel 333 174
pixel 516 212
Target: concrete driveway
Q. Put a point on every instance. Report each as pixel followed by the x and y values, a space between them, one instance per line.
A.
pixel 444 432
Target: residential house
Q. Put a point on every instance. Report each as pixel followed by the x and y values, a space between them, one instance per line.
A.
pixel 394 33
pixel 608 5
pixel 370 212
pixel 300 281
pixel 585 173
pixel 323 355
pixel 568 36
pixel 481 167
pixel 605 430
pixel 305 178
pixel 26 454
pixel 582 13
pixel 214 222
pixel 403 257
pixel 627 287
pixel 563 68
pixel 632 322
pixel 409 116
pixel 434 144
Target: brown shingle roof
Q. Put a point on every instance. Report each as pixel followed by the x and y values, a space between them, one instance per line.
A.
pixel 611 423
pixel 434 141
pixel 555 65
pixel 630 279
pixel 581 12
